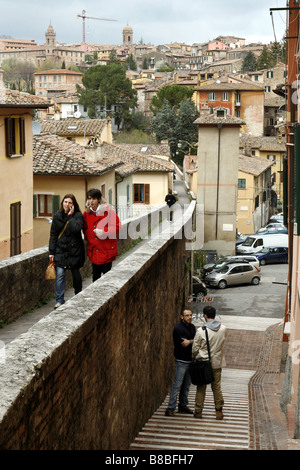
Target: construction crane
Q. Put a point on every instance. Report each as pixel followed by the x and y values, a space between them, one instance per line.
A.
pixel 84 17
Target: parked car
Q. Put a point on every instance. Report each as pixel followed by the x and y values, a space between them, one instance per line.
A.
pixel 276 218
pixel 273 226
pixel 207 268
pixel 257 242
pixel 272 230
pixel 199 288
pixel 273 255
pixel 233 274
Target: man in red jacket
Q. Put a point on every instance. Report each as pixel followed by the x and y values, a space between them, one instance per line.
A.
pixel 101 226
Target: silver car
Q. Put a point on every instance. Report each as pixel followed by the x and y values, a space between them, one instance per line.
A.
pixel 233 274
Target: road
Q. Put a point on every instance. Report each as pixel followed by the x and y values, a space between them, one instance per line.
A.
pixel 267 300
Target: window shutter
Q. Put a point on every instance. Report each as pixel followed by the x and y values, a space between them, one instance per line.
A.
pixel 147 193
pixel 8 137
pixel 55 203
pixel 110 196
pixel 35 205
pixel 22 136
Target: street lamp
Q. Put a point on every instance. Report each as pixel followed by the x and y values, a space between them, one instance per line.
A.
pixel 194 146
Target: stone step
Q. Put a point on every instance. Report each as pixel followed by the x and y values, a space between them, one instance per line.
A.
pixel 184 432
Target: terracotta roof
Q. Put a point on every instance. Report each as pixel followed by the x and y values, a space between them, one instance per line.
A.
pixel 253 165
pixel 73 126
pixel 230 86
pixel 135 161
pixel 53 155
pixel 58 72
pixel 213 119
pixel 15 98
pixel 264 143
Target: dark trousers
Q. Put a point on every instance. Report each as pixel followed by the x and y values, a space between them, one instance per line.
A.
pixel 99 269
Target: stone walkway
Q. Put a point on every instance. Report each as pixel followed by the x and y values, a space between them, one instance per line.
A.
pixel 251 383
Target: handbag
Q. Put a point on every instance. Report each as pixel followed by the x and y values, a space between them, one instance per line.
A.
pixel 201 371
pixel 50 271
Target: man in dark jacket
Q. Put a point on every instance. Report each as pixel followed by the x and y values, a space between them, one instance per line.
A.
pixel 183 337
pixel 170 199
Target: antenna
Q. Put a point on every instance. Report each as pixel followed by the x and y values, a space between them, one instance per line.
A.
pixel 84 17
pixel 77 114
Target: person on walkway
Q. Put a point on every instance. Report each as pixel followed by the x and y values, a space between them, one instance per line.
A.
pixel 183 337
pixel 66 246
pixel 101 226
pixel 216 337
pixel 170 200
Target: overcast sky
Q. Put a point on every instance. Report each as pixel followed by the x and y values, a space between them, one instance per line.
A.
pixel 154 21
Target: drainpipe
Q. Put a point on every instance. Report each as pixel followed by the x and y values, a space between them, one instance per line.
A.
pixel 218 177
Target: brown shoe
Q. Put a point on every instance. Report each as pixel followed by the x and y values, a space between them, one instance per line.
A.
pixel 169 413
pixel 219 414
pixel 198 414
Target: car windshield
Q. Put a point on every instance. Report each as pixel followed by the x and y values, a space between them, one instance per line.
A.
pixel 264 250
pixel 223 269
pixel 220 261
pixel 249 241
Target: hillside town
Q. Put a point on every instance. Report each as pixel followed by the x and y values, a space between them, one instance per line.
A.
pixel 215 126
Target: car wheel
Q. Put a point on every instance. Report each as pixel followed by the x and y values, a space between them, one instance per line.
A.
pixel 222 284
pixel 255 281
pixel 263 262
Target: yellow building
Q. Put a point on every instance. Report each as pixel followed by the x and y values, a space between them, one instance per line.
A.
pixel 273 150
pixel 253 196
pixel 54 82
pixel 16 179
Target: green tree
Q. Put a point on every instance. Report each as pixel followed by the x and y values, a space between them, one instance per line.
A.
pixel 174 94
pixel 130 63
pixel 249 63
pixel 176 124
pixel 113 58
pixel 107 85
pixel 19 75
pixel 265 60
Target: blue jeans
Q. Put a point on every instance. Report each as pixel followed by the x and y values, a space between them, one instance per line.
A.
pixel 60 283
pixel 181 385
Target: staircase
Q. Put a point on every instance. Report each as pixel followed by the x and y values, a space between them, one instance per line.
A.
pixel 184 432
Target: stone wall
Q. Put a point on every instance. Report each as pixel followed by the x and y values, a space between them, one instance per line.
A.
pixel 90 374
pixel 22 277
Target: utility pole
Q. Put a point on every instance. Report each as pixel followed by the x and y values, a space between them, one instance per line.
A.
pixel 84 17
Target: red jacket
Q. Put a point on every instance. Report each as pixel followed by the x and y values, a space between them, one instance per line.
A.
pixel 101 250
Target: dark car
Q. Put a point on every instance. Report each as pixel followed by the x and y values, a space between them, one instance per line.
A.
pixel 272 255
pixel 199 288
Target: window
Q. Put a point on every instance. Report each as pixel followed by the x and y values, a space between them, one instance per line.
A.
pixel 269 74
pixel 103 190
pixel 212 96
pixel 241 183
pixel 15 136
pixel 225 96
pixel 45 205
pixel 141 193
pixel 267 89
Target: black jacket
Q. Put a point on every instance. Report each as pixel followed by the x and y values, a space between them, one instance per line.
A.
pixel 170 199
pixel 183 331
pixel 68 250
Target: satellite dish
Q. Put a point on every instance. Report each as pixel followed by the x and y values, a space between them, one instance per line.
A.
pixel 36 127
pixel 77 114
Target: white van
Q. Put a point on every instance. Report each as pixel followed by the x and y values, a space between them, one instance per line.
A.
pixel 254 243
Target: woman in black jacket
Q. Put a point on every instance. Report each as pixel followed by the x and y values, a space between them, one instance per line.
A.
pixel 66 246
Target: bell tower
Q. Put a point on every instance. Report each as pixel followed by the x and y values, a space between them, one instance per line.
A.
pixel 127 36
